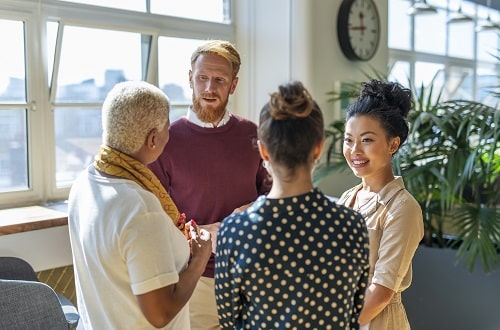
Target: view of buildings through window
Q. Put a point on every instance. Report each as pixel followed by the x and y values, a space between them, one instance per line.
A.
pixel 13 133
pixel 83 61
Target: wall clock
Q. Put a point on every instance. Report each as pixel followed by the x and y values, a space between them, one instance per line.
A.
pixel 358 29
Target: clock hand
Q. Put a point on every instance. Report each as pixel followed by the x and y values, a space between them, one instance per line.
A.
pixel 362 26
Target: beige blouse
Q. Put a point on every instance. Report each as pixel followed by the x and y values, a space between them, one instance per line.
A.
pixel 395 227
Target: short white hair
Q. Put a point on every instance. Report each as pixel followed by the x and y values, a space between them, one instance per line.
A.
pixel 130 111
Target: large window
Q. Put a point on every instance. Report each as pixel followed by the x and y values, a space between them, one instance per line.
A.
pixel 206 10
pixel 13 108
pixel 174 62
pixel 60 59
pixel 457 58
pixel 91 62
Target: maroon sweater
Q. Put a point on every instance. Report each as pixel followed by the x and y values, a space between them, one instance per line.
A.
pixel 209 172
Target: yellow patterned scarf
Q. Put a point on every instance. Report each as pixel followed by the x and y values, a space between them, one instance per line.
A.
pixel 113 162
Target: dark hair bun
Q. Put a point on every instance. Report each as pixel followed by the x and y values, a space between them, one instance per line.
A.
pixel 388 94
pixel 292 101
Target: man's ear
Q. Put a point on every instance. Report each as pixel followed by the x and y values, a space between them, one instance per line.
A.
pixel 234 83
pixel 191 79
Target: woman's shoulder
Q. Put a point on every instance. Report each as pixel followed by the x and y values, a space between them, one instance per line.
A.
pixel 346 195
pixel 245 215
pixel 401 205
pixel 405 201
pixel 337 209
pixel 397 191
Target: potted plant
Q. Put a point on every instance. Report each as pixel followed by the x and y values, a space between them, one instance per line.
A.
pixel 451 165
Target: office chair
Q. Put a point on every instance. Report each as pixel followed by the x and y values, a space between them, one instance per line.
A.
pixel 30 305
pixel 25 302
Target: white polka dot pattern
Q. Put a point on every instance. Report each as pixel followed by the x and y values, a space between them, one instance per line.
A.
pixel 294 263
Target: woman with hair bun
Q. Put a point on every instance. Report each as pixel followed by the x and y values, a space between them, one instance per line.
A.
pixel 376 127
pixel 293 259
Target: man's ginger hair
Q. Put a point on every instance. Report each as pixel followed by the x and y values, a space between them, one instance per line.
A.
pixel 222 48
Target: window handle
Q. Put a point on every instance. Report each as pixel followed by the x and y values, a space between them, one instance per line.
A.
pixel 32 106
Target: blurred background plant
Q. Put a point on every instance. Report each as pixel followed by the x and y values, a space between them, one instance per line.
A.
pixel 451 165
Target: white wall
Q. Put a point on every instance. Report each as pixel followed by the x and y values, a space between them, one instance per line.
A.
pixel 43 249
pixel 283 40
pixel 264 41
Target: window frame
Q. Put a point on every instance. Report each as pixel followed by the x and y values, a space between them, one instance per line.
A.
pixel 412 56
pixel 40 96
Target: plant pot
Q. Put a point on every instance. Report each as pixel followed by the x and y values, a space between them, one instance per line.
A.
pixel 444 295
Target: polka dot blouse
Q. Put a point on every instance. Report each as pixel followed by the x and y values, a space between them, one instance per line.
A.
pixel 291 263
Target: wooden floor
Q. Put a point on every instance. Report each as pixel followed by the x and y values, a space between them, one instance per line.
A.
pixel 62 280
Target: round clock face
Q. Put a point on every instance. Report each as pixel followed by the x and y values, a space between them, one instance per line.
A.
pixel 358 28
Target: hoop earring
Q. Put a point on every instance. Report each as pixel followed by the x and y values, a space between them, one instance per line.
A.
pixel 265 164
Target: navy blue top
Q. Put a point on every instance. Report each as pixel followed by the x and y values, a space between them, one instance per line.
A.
pixel 298 262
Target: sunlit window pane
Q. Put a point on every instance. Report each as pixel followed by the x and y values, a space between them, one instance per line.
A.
pixel 399 25
pixel 425 72
pixel 136 5
pixel 400 72
pixel 174 63
pixel 78 137
pixel 456 83
pixel 488 46
pixel 13 150
pixel 461 40
pixel 488 82
pixel 206 10
pixel 51 47
pixel 94 60
pixel 425 75
pixel 13 122
pixel 430 33
pixel 12 66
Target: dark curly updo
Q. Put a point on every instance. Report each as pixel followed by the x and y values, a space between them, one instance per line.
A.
pixel 388 102
pixel 291 124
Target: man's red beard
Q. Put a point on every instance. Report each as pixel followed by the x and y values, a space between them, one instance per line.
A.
pixel 208 113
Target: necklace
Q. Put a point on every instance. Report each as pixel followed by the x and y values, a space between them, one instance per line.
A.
pixel 357 202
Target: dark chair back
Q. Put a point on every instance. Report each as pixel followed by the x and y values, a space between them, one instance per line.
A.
pixel 30 305
pixel 14 268
pixel 19 270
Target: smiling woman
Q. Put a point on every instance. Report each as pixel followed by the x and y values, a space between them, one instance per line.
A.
pixel 375 129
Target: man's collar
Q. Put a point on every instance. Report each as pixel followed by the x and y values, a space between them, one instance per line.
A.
pixel 193 118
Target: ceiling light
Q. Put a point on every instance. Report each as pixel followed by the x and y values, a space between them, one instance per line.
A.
pixel 458 17
pixel 421 7
pixel 487 25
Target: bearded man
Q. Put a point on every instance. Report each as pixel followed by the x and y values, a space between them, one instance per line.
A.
pixel 211 166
